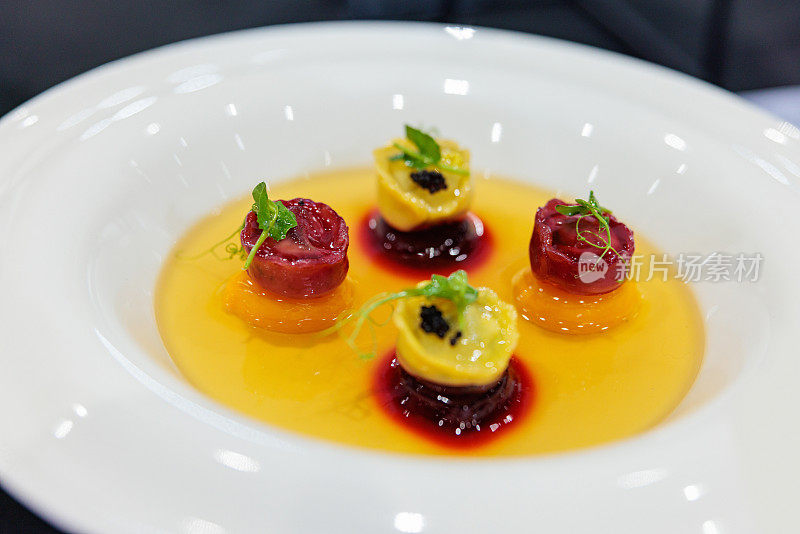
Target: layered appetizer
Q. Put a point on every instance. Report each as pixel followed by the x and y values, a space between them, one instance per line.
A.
pixel 579 259
pixel 294 268
pixel 451 374
pixel 424 193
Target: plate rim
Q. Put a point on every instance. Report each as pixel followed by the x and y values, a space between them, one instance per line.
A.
pixel 97 75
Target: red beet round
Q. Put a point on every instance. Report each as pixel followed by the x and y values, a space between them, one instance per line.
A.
pixel 558 257
pixel 310 261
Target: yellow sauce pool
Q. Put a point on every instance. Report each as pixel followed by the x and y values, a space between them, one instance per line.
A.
pixel 589 389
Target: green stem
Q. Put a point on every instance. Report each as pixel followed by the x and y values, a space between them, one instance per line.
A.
pixel 454 288
pixel 367 310
pixel 590 209
pixel 429 162
pixel 603 223
pixel 363 315
pixel 211 249
pixel 253 251
pixel 454 170
pixel 264 235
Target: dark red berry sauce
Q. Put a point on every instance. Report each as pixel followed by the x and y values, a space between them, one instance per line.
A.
pixel 441 249
pixel 459 417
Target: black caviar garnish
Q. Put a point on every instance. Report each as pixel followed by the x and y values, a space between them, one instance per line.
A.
pixel 432 322
pixel 454 339
pixel 433 181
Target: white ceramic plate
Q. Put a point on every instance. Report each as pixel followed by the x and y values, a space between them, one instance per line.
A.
pixel 99 177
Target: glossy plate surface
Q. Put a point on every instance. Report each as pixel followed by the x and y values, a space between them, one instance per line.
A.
pixel 100 176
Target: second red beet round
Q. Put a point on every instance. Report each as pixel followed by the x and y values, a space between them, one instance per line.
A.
pixel 557 252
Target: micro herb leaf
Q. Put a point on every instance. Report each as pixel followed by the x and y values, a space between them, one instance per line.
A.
pixel 427 145
pixel 428 153
pixel 274 219
pixel 590 208
pixel 568 210
pixel 454 288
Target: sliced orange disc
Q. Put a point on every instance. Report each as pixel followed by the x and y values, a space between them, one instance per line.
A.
pixel 554 309
pixel 263 309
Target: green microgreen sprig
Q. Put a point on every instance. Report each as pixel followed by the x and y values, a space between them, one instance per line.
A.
pixel 428 153
pixel 454 288
pixel 274 219
pixel 591 208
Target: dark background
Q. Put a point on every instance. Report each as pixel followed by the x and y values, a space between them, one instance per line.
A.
pixel 736 44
